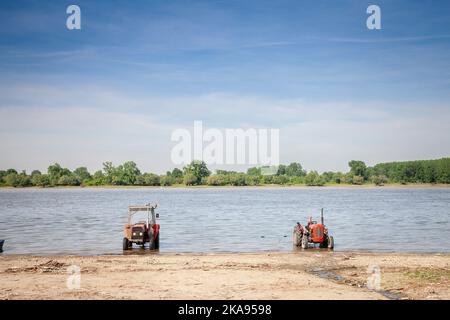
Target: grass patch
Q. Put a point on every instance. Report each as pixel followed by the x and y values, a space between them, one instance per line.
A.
pixel 429 275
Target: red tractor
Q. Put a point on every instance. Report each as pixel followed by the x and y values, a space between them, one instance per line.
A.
pixel 315 233
pixel 142 232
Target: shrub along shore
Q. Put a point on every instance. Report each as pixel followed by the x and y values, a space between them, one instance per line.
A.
pixel 198 174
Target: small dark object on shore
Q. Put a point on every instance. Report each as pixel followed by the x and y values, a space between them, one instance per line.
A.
pixel 1 245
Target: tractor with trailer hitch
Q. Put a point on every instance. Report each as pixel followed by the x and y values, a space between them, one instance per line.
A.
pixel 142 232
pixel 314 233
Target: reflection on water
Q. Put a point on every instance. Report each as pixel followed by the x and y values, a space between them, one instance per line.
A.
pixel 90 221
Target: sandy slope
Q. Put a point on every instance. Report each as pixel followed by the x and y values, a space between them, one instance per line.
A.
pixel 295 275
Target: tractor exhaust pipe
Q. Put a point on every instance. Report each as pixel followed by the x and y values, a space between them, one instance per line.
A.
pixel 321 215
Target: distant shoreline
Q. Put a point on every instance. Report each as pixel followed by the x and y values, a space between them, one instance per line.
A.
pixel 268 186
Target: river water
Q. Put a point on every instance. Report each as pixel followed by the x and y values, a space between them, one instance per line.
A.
pixel 90 221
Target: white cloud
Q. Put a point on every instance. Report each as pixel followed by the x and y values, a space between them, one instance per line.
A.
pixel 85 126
pixel 34 138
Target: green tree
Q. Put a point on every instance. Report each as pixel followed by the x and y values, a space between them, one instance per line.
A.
pixel 237 179
pixel 198 169
pixel 166 180
pixel 254 171
pixel 125 174
pixel 347 178
pixel 225 172
pixel 40 180
pixel 2 175
pixel 379 180
pixel 55 171
pixel 281 170
pixel 129 173
pixel 267 179
pixel 189 179
pixel 358 180
pixel 297 180
pixel 109 171
pixel 429 173
pixel 17 180
pixel 358 168
pixel 215 180
pixel 280 179
pixel 252 180
pixel 12 180
pixel 328 176
pixel 338 177
pixel 82 174
pixel 148 179
pixel 295 169
pixel 98 175
pixel 67 180
pixel 314 179
pixel 98 179
pixel 177 173
pixel 24 180
pixel 420 171
pixel 35 172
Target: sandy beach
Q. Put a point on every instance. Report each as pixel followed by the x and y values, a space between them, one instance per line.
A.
pixel 267 275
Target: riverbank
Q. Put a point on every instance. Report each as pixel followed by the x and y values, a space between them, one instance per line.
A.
pixel 182 186
pixel 268 275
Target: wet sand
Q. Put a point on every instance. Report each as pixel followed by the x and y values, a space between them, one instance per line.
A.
pixel 268 275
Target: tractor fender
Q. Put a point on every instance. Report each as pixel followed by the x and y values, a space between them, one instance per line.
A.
pixel 155 234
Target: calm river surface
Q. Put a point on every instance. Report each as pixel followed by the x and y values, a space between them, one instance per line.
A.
pixel 90 221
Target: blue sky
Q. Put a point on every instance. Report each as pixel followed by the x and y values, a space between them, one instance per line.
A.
pixel 137 70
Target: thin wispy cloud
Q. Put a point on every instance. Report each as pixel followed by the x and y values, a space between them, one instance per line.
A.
pixel 391 39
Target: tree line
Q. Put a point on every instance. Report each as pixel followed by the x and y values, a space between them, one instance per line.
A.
pixel 197 173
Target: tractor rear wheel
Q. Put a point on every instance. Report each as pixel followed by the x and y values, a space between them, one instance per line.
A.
pixel 157 242
pixel 330 242
pixel 153 243
pixel 126 244
pixel 304 242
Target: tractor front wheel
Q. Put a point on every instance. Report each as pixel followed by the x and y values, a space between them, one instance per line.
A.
pixel 126 244
pixel 330 242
